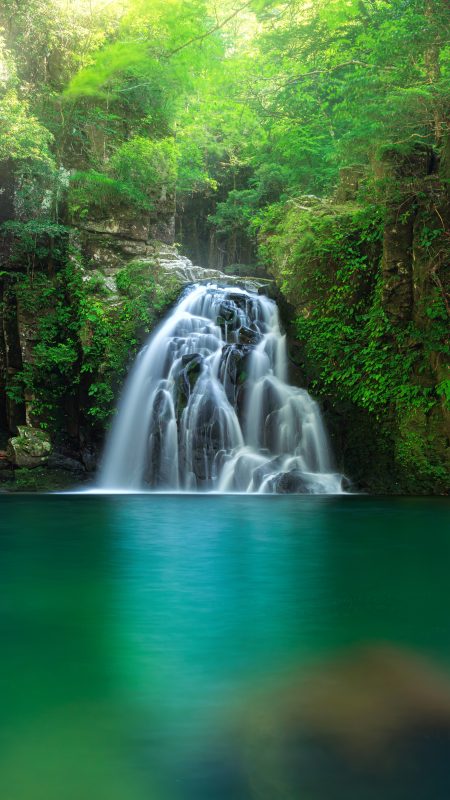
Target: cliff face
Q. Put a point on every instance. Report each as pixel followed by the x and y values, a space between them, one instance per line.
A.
pixel 366 275
pixel 76 302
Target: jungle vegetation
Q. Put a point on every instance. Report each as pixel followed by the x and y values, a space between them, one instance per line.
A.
pixel 251 114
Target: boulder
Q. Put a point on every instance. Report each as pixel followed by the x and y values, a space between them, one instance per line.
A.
pixel 261 473
pixel 228 319
pixel 31 448
pixel 292 482
pixel 249 336
pixel 240 300
pixel 60 461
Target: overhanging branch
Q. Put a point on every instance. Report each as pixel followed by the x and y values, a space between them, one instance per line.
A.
pixel 212 30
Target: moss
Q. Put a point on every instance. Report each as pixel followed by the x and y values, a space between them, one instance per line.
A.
pixel 111 332
pixel 384 369
pixel 40 479
pixel 422 452
pixel 30 448
pixel 92 192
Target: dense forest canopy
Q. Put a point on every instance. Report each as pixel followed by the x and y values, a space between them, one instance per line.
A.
pixel 249 102
pixel 277 132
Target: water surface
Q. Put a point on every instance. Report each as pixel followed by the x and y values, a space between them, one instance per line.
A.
pixel 165 647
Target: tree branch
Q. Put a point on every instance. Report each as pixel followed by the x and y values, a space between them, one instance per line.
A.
pixel 195 39
pixel 212 30
pixel 354 62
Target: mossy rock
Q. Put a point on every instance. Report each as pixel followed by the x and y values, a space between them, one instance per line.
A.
pixel 31 448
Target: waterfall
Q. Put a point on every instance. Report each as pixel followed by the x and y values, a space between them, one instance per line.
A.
pixel 207 407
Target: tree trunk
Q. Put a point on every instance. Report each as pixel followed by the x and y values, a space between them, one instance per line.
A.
pixel 7 184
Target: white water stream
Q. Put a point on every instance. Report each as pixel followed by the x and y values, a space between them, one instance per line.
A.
pixel 207 407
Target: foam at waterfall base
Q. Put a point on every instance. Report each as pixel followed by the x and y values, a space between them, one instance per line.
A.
pixel 207 406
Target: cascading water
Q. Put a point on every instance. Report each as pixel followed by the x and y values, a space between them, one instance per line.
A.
pixel 207 408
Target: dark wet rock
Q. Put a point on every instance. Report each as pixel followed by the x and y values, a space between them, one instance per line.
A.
pixel 59 461
pixel 207 440
pixel 270 413
pixel 5 464
pixel 191 367
pixel 160 411
pixel 6 475
pixel 192 361
pixel 233 370
pixel 240 300
pixel 292 482
pixel 271 426
pixel 261 473
pixel 227 311
pixel 347 485
pixel 269 290
pixel 158 468
pixel 228 318
pixel 90 457
pixel 249 336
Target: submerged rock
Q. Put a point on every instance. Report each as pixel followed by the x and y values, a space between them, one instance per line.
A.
pixel 371 723
pixel 31 448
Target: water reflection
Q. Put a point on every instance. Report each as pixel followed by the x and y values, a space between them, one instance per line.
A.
pixel 181 647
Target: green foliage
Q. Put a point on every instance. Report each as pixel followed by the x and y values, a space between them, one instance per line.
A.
pixel 443 390
pixel 237 212
pixel 21 135
pixel 148 166
pixel 50 375
pixel 94 193
pixel 420 451
pixel 110 332
pixel 192 170
pixel 36 242
pixel 115 58
pixel 327 260
pixel 140 174
pixel 247 114
pixel 83 335
pixel 50 39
